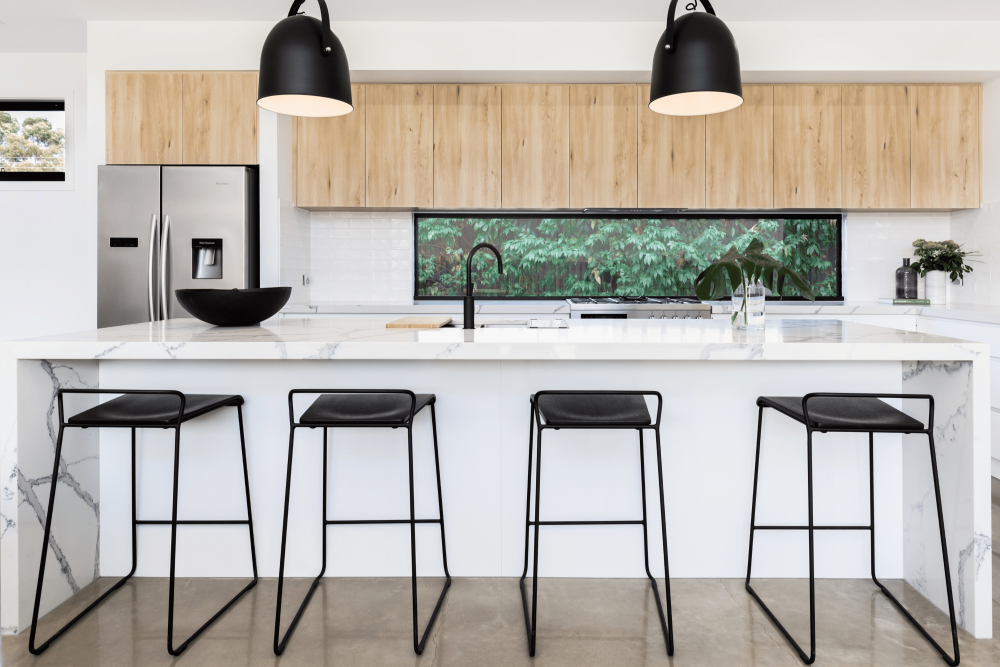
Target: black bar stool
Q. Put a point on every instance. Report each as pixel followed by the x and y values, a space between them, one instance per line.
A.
pixel 362 408
pixel 594 410
pixel 144 409
pixel 850 413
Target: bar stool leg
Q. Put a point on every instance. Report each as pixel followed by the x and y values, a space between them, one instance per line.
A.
pixel 173 547
pixel 667 624
pixel 418 646
pixel 38 650
pixel 527 535
pixel 944 555
pixel 534 571
pixel 281 643
pixel 246 485
pixel 807 659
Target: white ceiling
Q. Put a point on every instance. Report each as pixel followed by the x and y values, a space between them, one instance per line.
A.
pixel 60 25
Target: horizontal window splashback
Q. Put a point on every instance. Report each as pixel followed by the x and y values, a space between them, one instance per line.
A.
pixel 560 254
pixel 318 244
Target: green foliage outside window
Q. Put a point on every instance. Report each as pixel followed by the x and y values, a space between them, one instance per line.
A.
pixel 564 257
pixel 33 145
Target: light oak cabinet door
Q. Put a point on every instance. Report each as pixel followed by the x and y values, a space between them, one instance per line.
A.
pixel 671 158
pixel 220 118
pixel 807 147
pixel 535 146
pixel 602 146
pixel 739 161
pixel 945 146
pixel 399 145
pixel 330 157
pixel 143 117
pixel 467 146
pixel 876 146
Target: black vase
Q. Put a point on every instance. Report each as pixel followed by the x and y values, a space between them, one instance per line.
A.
pixel 906 281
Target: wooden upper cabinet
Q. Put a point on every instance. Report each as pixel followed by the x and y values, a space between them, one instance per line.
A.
pixel 602 142
pixel 467 146
pixel 535 146
pixel 671 158
pixel 220 118
pixel 739 161
pixel 876 147
pixel 945 146
pixel 807 147
pixel 143 117
pixel 330 157
pixel 399 145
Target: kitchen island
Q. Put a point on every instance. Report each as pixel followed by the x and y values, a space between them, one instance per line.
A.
pixel 709 376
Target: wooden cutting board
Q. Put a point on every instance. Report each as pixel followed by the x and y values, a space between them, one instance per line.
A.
pixel 419 322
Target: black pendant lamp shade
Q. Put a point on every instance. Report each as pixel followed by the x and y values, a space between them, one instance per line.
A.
pixel 303 68
pixel 696 67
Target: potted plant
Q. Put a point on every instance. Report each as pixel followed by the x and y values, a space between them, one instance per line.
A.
pixel 747 274
pixel 936 261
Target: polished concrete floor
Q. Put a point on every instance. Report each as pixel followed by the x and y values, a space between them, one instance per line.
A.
pixel 367 622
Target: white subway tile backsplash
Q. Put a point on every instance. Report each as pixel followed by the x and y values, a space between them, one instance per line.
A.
pixel 364 256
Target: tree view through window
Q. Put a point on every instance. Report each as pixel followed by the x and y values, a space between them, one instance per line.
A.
pixel 32 140
pixel 567 256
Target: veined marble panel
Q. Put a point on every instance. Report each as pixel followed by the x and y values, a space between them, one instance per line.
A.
pixel 29 421
pixel 961 417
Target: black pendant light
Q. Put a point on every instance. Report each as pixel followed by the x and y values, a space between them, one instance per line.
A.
pixel 303 68
pixel 696 67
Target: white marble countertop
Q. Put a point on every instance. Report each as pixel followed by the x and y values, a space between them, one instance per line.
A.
pixel 354 338
pixel 982 313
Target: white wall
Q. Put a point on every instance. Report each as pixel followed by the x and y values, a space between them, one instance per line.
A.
pixel 975 229
pixel 47 270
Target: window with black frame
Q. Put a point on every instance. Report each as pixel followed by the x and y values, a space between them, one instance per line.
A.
pixel 557 256
pixel 32 140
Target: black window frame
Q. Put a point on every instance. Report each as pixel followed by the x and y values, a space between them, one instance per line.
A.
pixel 811 214
pixel 33 176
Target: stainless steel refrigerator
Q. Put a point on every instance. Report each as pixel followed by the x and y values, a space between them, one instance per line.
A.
pixel 166 228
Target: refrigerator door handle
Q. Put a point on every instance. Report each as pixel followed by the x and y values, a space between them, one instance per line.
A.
pixel 164 244
pixel 154 232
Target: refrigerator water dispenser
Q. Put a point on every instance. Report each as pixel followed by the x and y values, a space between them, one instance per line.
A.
pixel 206 258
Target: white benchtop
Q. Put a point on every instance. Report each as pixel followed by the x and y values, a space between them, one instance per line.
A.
pixel 982 313
pixel 355 338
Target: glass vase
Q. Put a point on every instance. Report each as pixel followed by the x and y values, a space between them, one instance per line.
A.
pixel 748 311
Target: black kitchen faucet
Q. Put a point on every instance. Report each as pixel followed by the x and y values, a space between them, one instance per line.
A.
pixel 469 321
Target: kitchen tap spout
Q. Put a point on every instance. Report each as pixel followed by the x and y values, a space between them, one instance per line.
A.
pixel 469 321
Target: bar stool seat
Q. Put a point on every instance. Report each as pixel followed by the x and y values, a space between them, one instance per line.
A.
pixel 152 409
pixel 374 408
pixel 861 413
pixel 593 409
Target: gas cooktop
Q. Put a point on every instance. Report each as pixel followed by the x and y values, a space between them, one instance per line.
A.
pixel 624 300
pixel 639 307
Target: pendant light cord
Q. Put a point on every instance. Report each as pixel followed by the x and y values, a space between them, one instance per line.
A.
pixel 691 6
pixel 325 14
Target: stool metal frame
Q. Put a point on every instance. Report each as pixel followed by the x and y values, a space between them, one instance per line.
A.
pixel 811 527
pixel 418 641
pixel 530 620
pixel 173 522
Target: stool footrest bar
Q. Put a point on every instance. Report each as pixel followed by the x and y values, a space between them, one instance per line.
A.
pixel 807 527
pixel 193 522
pixel 588 523
pixel 361 522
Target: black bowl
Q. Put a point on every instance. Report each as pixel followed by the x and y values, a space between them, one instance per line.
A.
pixel 235 307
